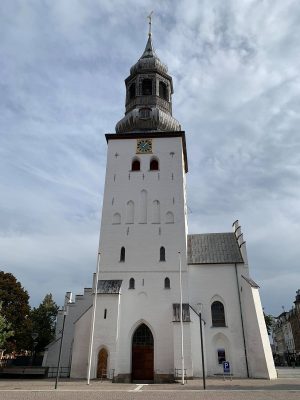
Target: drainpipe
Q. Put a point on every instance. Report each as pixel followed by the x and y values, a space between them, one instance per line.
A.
pixel 243 329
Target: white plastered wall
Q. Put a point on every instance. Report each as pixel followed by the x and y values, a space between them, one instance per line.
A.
pixel 208 283
pixel 260 359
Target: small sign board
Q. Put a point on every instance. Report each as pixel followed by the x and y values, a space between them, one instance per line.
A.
pixel 226 369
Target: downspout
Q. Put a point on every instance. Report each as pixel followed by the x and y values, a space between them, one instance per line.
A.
pixel 242 320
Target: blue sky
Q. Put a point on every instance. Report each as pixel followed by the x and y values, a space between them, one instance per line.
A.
pixel 235 67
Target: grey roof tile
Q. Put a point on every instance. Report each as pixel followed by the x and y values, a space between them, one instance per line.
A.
pixel 251 282
pixel 109 286
pixel 213 248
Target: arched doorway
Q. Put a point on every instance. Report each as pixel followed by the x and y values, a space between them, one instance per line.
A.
pixel 142 354
pixel 102 364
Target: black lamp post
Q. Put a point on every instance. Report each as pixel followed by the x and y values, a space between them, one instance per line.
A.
pixel 60 346
pixel 65 310
pixel 199 313
pixel 34 336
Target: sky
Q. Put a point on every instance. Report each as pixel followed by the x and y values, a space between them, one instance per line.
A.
pixel 235 66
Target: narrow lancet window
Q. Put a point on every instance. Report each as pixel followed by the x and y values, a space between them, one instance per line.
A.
pixel 131 283
pixel 122 254
pixel 162 254
pixel 167 283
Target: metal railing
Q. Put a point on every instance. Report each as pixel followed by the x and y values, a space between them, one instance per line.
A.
pixel 178 374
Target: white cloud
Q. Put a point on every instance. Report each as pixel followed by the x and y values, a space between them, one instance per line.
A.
pixel 235 67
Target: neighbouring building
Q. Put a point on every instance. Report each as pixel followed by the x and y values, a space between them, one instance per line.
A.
pixel 286 335
pixel 144 242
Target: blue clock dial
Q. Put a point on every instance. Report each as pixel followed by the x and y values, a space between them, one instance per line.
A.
pixel 144 146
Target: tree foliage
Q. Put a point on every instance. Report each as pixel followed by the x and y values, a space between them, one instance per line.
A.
pixel 5 329
pixel 269 319
pixel 15 310
pixel 43 321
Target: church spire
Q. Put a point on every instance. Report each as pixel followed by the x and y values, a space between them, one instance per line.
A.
pixel 149 91
pixel 149 50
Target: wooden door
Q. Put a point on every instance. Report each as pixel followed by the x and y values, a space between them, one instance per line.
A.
pixel 102 364
pixel 142 354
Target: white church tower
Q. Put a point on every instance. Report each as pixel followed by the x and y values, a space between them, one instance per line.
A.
pixel 143 232
pixel 138 333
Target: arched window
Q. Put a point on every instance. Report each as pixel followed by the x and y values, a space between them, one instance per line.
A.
pixel 154 165
pixel 162 254
pixel 156 212
pixel 163 92
pixel 217 314
pixel 116 218
pixel 132 91
pixel 169 218
pixel 167 283
pixel 135 165
pixel 131 283
pixel 143 337
pixel 143 207
pixel 122 254
pixel 147 87
pixel 130 212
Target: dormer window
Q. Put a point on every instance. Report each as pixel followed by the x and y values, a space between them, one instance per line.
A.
pixel 132 91
pixel 147 87
pixel 163 91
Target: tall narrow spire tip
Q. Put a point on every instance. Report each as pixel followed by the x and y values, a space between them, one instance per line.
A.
pixel 150 23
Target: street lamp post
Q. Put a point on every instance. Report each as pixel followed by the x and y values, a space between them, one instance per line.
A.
pixel 34 336
pixel 61 340
pixel 201 339
pixel 60 346
pixel 199 314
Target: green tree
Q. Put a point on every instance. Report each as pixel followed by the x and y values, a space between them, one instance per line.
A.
pixel 43 321
pixel 269 319
pixel 5 329
pixel 16 310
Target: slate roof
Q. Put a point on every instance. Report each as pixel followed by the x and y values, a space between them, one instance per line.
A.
pixel 251 282
pixel 213 248
pixel 109 286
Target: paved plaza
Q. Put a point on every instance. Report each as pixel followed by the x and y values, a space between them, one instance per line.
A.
pixel 286 387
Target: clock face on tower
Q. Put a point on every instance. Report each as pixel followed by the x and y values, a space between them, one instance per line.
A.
pixel 144 146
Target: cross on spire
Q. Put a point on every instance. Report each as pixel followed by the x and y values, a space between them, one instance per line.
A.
pixel 150 22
